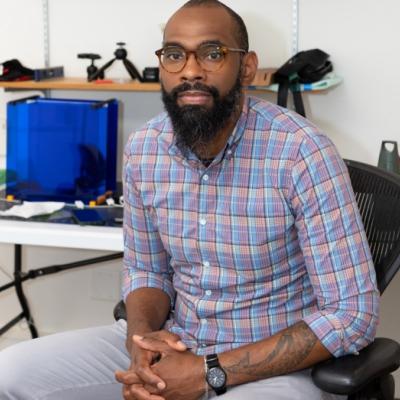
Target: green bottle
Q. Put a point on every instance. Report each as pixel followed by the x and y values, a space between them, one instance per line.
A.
pixel 389 159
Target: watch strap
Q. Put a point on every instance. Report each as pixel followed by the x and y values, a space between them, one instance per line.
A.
pixel 211 361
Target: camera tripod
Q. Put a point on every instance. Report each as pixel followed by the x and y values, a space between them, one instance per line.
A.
pixel 120 54
pixel 91 69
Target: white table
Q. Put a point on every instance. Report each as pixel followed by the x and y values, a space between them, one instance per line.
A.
pixel 21 233
pixel 61 235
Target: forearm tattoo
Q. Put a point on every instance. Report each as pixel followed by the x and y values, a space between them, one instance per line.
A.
pixel 293 347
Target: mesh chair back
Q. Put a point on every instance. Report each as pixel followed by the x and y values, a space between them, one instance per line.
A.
pixel 378 197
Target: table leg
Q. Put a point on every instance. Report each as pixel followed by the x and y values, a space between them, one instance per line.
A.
pixel 20 277
pixel 19 289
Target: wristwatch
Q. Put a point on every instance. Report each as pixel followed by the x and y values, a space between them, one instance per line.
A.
pixel 215 375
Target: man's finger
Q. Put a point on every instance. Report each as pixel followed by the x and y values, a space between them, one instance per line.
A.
pixel 173 340
pixel 144 376
pixel 127 377
pixel 145 373
pixel 138 392
pixel 151 344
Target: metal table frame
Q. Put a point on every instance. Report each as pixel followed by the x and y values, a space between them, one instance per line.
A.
pixel 21 233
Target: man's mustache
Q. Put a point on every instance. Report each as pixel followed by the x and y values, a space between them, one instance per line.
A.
pixel 185 87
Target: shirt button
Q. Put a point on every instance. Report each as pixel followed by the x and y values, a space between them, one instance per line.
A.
pixel 205 178
pixel 203 345
pixel 203 221
pixel 204 321
pixel 208 292
pixel 229 152
pixel 206 264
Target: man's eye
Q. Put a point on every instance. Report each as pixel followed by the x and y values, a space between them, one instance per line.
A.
pixel 174 55
pixel 213 55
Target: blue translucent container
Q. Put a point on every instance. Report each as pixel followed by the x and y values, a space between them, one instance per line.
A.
pixel 61 149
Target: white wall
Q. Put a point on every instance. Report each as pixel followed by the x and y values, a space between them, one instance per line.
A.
pixel 361 36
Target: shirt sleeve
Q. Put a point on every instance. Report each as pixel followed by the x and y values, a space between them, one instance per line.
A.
pixel 146 263
pixel 335 249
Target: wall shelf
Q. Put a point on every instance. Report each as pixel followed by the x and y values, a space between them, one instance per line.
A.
pixel 81 84
pixel 263 77
pixel 261 83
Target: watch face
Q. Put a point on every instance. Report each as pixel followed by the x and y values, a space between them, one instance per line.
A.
pixel 216 377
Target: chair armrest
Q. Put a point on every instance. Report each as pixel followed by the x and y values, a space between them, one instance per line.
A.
pixel 348 374
pixel 119 311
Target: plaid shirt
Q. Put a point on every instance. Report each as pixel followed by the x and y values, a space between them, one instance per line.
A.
pixel 267 235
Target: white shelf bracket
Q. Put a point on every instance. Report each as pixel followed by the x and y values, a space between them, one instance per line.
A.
pixel 295 27
pixel 46 34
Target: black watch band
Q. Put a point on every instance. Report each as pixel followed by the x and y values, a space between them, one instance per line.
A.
pixel 215 375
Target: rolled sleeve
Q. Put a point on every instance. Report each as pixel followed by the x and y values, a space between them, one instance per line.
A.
pixel 335 249
pixel 347 328
pixel 146 263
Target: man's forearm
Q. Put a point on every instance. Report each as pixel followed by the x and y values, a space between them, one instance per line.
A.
pixel 147 310
pixel 291 350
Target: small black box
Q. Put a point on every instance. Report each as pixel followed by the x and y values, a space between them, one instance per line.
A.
pixel 151 74
pixel 48 73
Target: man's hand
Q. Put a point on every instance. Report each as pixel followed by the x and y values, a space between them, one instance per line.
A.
pixel 140 375
pixel 181 371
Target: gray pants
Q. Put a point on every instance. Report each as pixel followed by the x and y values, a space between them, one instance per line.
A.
pixel 80 365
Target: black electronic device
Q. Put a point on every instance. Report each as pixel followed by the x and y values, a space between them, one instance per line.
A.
pixel 91 69
pixel 120 54
pixel 151 74
pixel 41 74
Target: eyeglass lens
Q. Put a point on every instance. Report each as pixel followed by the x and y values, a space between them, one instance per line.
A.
pixel 209 57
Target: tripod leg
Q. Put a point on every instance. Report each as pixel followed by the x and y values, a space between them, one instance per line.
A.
pixel 20 293
pixel 100 72
pixel 133 72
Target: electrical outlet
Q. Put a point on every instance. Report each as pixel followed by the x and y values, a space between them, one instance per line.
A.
pixel 105 285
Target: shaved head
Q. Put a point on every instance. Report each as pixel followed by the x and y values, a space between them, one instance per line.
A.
pixel 240 30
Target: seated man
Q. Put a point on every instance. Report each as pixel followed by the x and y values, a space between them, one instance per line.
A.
pixel 245 260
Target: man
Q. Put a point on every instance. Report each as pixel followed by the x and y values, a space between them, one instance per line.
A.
pixel 245 258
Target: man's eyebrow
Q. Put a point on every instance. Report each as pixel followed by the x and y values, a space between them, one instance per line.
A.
pixel 212 42
pixel 204 43
pixel 172 44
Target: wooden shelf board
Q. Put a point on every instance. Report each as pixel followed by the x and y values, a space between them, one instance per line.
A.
pixel 81 84
pixel 259 85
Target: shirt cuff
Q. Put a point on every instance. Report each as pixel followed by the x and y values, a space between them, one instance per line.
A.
pixel 144 279
pixel 330 332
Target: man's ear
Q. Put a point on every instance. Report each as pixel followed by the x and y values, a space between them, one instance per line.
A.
pixel 249 68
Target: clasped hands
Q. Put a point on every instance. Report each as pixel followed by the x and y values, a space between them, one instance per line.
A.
pixel 162 368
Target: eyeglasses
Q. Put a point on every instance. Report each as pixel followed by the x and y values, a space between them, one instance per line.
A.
pixel 210 57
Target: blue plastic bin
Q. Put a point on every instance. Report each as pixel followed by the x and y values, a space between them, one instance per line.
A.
pixel 61 149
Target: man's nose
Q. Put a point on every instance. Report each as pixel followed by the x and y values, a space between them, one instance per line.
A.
pixel 193 70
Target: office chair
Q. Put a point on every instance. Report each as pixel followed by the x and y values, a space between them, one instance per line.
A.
pixel 365 376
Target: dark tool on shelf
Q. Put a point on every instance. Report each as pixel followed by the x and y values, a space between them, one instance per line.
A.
pixel 13 70
pixel 120 54
pixel 91 69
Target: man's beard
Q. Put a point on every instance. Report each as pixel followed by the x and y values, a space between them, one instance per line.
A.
pixel 196 126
